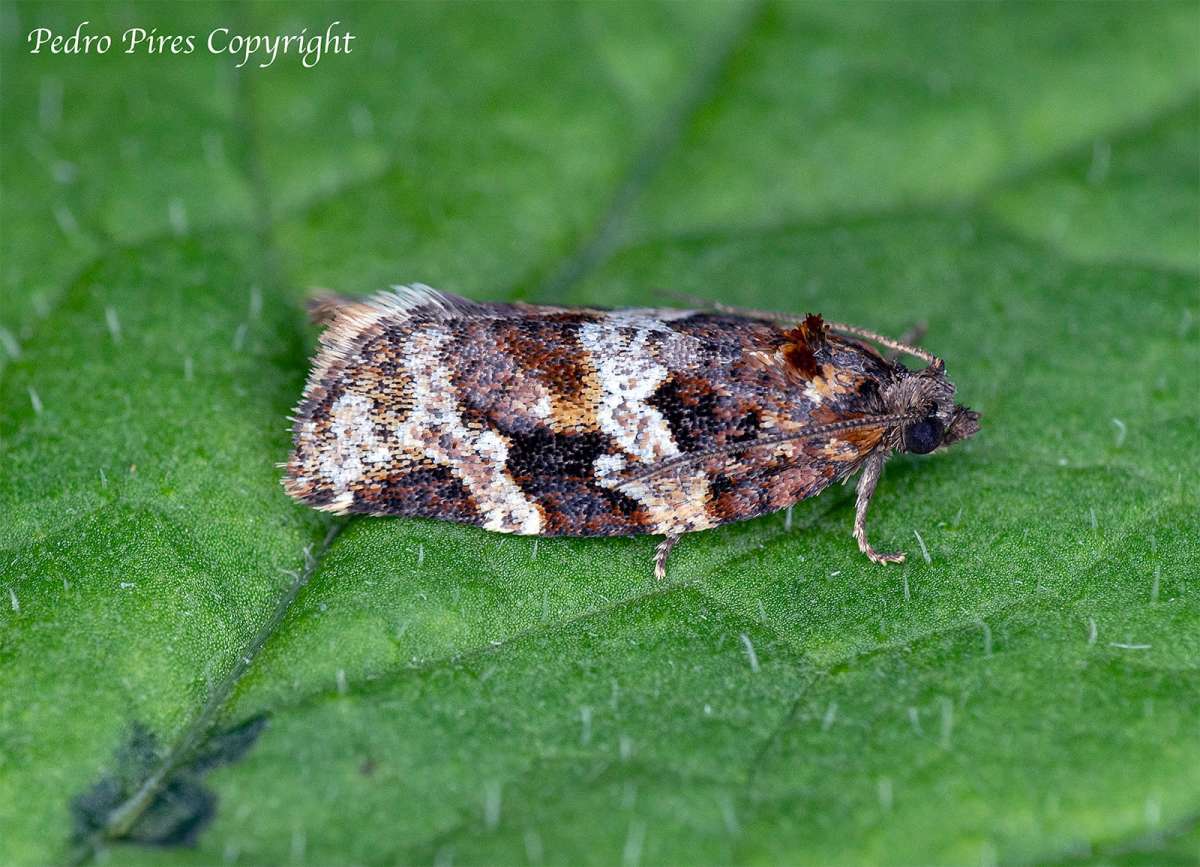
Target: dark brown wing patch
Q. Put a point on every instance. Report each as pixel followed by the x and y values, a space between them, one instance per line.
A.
pixel 428 490
pixel 557 471
pixel 804 342
pixel 701 417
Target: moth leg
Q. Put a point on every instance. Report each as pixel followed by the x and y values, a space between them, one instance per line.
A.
pixel 866 487
pixel 660 556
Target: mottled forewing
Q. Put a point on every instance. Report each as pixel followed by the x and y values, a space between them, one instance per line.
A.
pixel 557 421
pixel 730 413
pixel 423 404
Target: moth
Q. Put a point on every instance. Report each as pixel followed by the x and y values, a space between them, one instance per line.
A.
pixel 568 421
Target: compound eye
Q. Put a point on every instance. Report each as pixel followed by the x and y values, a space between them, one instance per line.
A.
pixel 924 436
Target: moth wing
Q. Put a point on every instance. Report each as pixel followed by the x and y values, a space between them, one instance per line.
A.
pixel 788 415
pixel 351 324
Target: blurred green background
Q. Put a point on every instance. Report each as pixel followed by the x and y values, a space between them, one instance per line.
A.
pixel 196 670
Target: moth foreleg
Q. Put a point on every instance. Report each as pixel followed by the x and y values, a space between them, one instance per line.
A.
pixel 660 556
pixel 866 488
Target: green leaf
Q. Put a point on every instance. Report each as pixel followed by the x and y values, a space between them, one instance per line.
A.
pixel 192 662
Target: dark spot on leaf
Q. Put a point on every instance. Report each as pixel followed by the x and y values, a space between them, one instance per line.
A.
pixel 181 808
pixel 229 746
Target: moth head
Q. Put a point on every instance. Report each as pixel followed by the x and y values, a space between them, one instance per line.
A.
pixel 934 420
pixel 922 399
